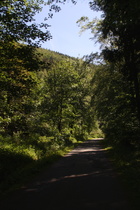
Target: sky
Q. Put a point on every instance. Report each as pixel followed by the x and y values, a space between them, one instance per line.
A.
pixel 65 31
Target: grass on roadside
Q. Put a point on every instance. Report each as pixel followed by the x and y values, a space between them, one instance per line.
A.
pixel 19 163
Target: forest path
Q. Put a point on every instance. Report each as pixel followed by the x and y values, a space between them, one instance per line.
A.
pixel 82 180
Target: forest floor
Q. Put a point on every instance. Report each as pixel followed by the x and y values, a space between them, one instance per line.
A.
pixel 84 179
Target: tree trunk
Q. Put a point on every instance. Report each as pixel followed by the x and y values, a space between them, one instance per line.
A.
pixel 137 90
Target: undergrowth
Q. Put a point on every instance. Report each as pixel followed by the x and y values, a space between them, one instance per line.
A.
pixel 126 160
pixel 19 163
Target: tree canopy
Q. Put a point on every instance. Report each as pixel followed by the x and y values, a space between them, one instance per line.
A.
pixel 120 25
pixel 17 21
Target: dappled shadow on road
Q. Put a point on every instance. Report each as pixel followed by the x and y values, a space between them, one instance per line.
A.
pixel 86 160
pixel 83 179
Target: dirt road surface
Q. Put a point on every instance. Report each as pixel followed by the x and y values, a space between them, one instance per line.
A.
pixel 82 180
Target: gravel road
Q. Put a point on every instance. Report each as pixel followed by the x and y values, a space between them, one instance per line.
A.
pixel 82 180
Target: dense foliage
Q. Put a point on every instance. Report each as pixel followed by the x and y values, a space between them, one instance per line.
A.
pixel 118 81
pixel 120 25
pixel 45 106
pixel 115 106
pixel 46 94
pixel 18 24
